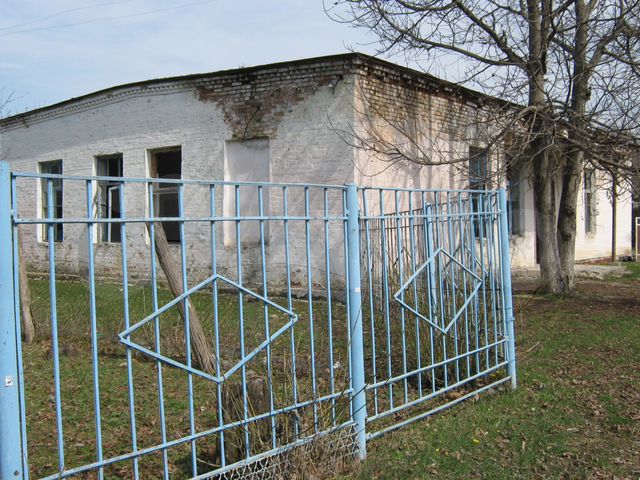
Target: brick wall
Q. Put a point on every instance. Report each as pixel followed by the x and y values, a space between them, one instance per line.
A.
pixel 297 107
pixel 308 110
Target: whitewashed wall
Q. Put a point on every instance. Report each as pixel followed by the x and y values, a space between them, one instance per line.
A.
pixel 303 147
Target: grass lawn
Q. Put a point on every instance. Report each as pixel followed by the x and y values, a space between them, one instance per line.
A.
pixel 576 413
pixel 76 376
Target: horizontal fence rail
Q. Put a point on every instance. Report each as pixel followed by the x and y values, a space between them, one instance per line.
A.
pixel 196 329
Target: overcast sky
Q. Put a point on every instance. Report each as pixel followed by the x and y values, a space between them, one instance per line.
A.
pixel 51 50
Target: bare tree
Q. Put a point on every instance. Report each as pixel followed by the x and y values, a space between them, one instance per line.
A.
pixel 28 328
pixel 6 98
pixel 568 72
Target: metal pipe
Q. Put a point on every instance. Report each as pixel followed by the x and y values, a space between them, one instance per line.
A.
pixel 358 399
pixel 10 444
pixel 507 302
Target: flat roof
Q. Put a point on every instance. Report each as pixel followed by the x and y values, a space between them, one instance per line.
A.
pixel 356 57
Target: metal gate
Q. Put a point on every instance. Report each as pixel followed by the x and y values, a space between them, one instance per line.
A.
pixel 333 314
pixel 437 304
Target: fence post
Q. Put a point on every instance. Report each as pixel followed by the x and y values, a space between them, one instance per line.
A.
pixel 505 266
pixel 10 444
pixel 356 349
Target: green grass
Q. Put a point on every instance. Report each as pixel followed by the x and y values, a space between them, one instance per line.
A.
pixel 574 415
pixel 633 271
pixel 76 373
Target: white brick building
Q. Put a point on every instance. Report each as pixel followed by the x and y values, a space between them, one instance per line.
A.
pixel 282 123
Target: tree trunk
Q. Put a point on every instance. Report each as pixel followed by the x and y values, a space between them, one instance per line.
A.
pixel 546 221
pixel 28 329
pixel 575 155
pixel 567 218
pixel 201 347
pixel 543 161
pixel 257 394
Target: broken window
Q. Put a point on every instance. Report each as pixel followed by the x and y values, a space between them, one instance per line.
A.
pixel 590 201
pixel 245 161
pixel 167 164
pixel 53 167
pixel 108 195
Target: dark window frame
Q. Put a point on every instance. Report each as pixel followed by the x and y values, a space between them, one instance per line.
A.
pixel 514 198
pixel 478 166
pixel 108 195
pixel 590 212
pixel 165 196
pixel 52 167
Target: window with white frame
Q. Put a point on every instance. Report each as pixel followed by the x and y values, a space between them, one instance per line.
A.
pixel 590 211
pixel 51 194
pixel 108 195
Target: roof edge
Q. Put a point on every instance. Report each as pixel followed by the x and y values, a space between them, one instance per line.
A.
pixel 355 57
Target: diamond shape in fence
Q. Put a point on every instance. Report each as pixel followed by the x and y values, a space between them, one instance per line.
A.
pixel 433 269
pixel 125 336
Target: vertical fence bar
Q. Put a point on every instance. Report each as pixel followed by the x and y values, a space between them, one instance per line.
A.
pixel 463 260
pixel 216 320
pixel 432 292
pixel 245 398
pixel 265 311
pixel 454 296
pixel 94 327
pixel 53 307
pixel 127 323
pixel 372 316
pixel 400 272
pixel 157 337
pixel 18 327
pixel 10 444
pixel 505 266
pixel 307 235
pixel 327 254
pixel 292 333
pixel 356 352
pixel 385 292
pixel 186 305
pixel 480 270
pixel 412 256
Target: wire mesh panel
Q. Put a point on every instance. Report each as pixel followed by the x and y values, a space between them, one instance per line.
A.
pixel 433 301
pixel 209 332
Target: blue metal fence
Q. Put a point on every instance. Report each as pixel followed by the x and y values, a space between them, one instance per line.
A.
pixel 438 309
pixel 332 313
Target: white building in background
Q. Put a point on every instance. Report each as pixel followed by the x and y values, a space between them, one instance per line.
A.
pixel 282 122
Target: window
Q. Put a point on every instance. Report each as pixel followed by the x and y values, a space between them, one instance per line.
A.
pixel 54 167
pixel 167 163
pixel 245 161
pixel 478 174
pixel 108 195
pixel 590 201
pixel 514 203
pixel 477 168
